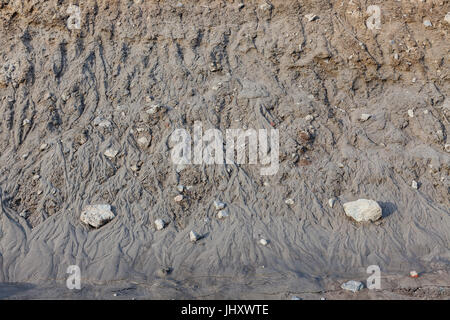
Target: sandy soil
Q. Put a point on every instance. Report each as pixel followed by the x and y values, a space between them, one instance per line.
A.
pixel 263 65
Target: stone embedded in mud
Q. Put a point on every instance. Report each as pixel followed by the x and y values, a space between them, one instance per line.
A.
pixel 178 198
pixel 427 23
pixel 447 18
pixel 331 202
pixel 143 142
pixel 311 17
pixel 111 153
pixel 447 147
pixel 160 224
pixel 289 201
pixel 222 214
pixel 25 214
pixel 219 205
pixel 153 109
pixel 97 215
pixel 265 6
pixel 193 236
pixel 363 210
pixel 352 285
pixel 102 122
pixel 304 136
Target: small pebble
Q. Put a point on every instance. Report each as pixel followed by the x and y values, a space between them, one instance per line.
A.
pixel 413 274
pixel 289 201
pixel 219 205
pixel 414 185
pixel 222 214
pixel 331 202
pixel 264 242
pixel 311 17
pixel 365 117
pixel 111 153
pixel 193 236
pixel 160 224
pixel 178 198
pixel 427 23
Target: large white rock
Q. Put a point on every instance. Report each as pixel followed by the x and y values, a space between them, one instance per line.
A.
pixel 97 215
pixel 363 210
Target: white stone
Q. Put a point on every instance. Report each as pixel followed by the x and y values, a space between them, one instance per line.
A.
pixel 178 198
pixel 311 17
pixel 143 142
pixel 101 122
pixel 111 153
pixel 365 117
pixel 97 215
pixel 265 6
pixel 289 201
pixel 447 18
pixel 427 23
pixel 309 117
pixel 43 146
pixel 160 224
pixel 411 113
pixel 222 214
pixel 193 236
pixel 219 205
pixel 25 214
pixel 352 285
pixel 331 202
pixel 153 109
pixel 180 188
pixel 25 122
pixel 447 147
pixel 363 210
pixel 264 242
pixel 414 185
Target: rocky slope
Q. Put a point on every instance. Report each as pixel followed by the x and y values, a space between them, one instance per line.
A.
pixel 68 95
